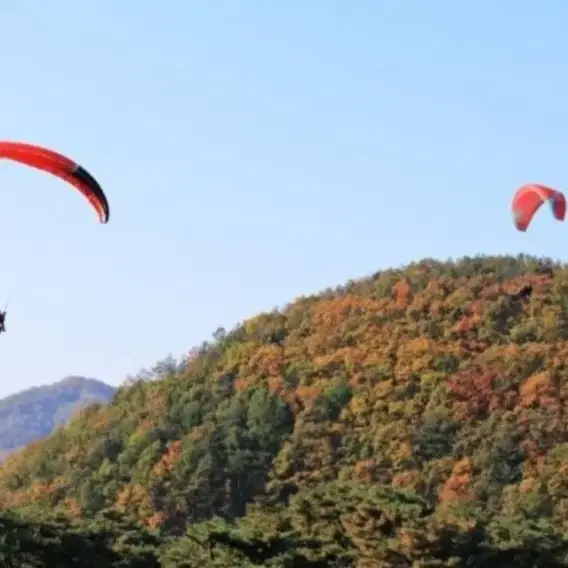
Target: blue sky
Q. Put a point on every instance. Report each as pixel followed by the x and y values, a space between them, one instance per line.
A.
pixel 254 151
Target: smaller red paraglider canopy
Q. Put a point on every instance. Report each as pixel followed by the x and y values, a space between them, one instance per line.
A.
pixel 528 200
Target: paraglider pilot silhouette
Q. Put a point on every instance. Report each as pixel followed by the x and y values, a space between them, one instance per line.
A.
pixel 3 319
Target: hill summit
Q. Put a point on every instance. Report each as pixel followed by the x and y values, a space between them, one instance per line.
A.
pixel 416 417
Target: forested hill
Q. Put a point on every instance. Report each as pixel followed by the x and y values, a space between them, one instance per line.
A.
pixel 33 413
pixel 417 415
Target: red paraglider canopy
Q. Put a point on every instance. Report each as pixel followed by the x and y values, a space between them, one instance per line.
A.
pixel 62 167
pixel 529 198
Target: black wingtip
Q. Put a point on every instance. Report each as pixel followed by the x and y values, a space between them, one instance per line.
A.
pixel 87 179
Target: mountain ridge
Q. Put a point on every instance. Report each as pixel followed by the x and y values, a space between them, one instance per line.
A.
pixel 33 413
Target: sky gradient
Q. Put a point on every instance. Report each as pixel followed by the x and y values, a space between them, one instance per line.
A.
pixel 255 151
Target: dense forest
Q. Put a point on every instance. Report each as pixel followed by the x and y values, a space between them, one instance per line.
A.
pixel 413 418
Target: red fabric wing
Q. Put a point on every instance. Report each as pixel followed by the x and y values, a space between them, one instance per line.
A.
pixel 529 198
pixel 60 166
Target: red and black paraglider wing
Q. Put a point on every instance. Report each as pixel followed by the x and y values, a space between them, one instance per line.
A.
pixel 529 198
pixel 62 167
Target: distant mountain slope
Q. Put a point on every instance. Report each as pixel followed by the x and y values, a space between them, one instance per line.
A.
pixel 33 413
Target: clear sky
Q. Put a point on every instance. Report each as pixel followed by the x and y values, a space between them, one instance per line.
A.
pixel 255 151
